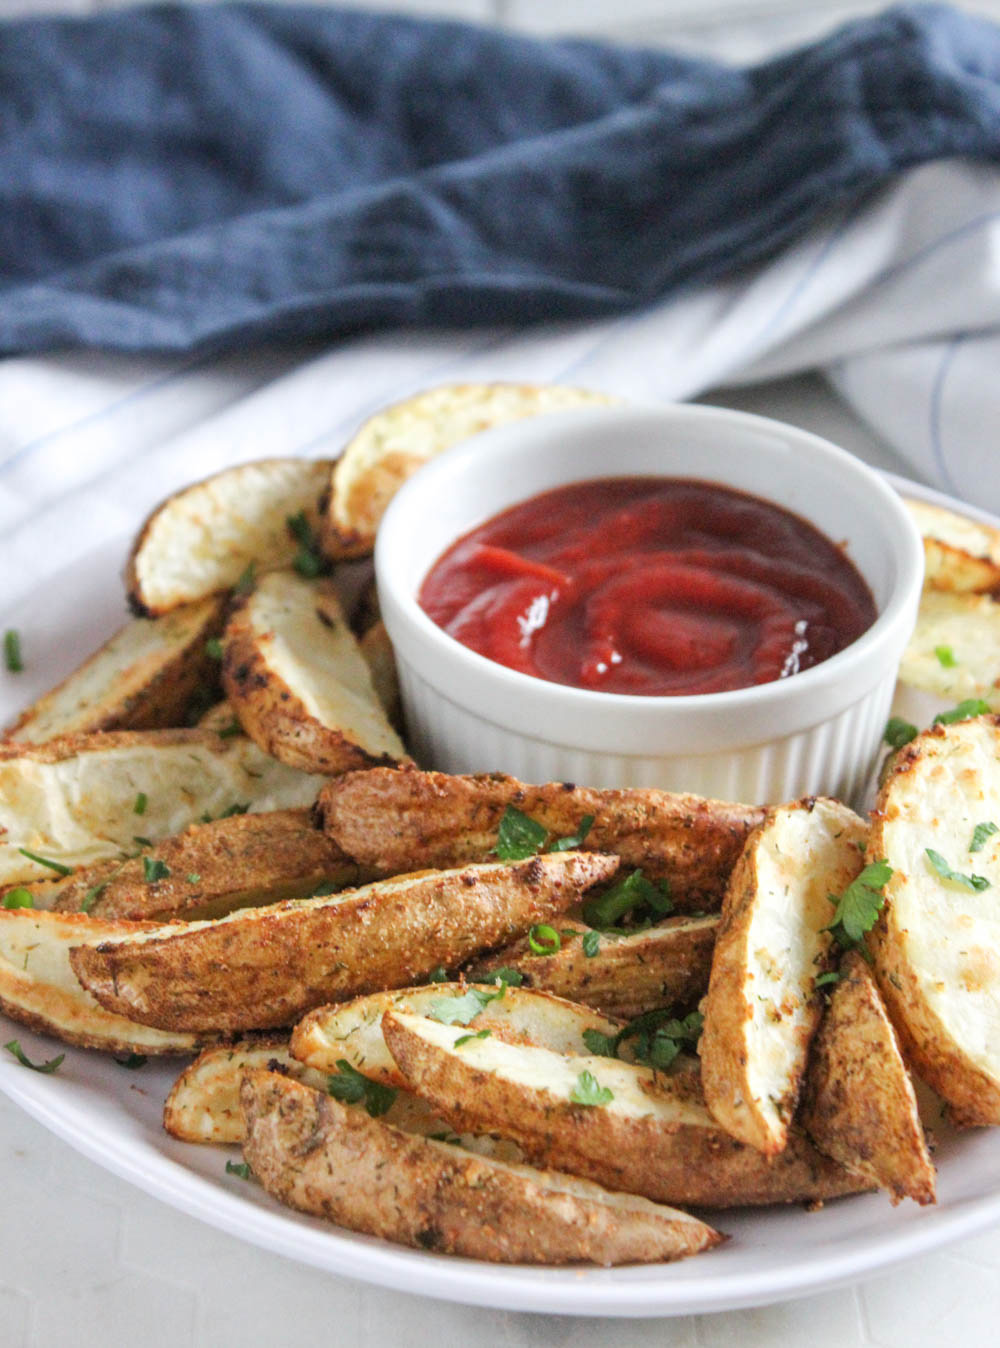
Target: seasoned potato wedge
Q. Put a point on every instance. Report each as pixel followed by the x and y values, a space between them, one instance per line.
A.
pixel 295 676
pixel 954 652
pixel 959 553
pixel 623 976
pixel 263 967
pixel 38 987
pixel 652 1135
pixel 936 945
pixel 211 869
pixel 377 649
pixel 334 1161
pixel 397 821
pixel 392 445
pixel 762 1007
pixel 143 678
pixel 859 1106
pixel 73 801
pixel 353 1030
pixel 203 539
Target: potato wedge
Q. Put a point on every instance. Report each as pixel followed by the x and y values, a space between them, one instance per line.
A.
pixel 202 539
pixel 73 801
pixel 954 652
pixel 353 1030
pixel 377 649
pixel 859 1106
pixel 763 1008
pixel 264 967
pixel 652 1135
pixel 661 966
pixel 392 445
pixel 936 945
pixel 245 860
pixel 296 678
pixel 39 989
pixel 333 1161
pixel 142 679
pixel 397 821
pixel 960 554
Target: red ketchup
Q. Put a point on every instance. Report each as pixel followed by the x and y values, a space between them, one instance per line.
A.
pixel 655 586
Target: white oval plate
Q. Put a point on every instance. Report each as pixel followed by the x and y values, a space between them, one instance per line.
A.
pixel 772 1255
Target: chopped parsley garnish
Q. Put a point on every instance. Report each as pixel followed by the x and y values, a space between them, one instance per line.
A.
pixel 576 839
pixel 154 869
pixel 56 866
pixel 660 1037
pixel 591 943
pixel 350 1087
pixel 53 1064
pixel 858 907
pixel 588 1091
pixel 980 833
pixel 132 1061
pixel 323 890
pixel 141 801
pixel 12 650
pixel 227 732
pixel 238 1168
pixel 247 580
pixel 543 939
pixel 946 657
pixel 898 732
pixel 240 807
pixel 464 1038
pixel 461 1010
pixel 634 891
pixel 141 841
pixel 971 706
pixel 511 978
pixel 831 976
pixel 92 895
pixel 439 974
pixel 213 648
pixel 519 837
pixel 19 898
pixel 938 864
pixel 309 560
pixel 193 878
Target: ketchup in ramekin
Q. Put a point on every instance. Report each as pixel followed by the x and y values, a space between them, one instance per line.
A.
pixel 652 586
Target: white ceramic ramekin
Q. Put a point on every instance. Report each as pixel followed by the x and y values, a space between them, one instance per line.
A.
pixel 817 732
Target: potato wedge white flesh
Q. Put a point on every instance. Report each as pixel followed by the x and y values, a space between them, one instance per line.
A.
pixel 859 1105
pixel 265 967
pixel 936 945
pixel 954 652
pixel 142 679
pixel 39 989
pixel 214 868
pixel 295 676
pixel 390 446
pixel 353 1030
pixel 960 554
pixel 73 800
pixel 663 966
pixel 653 1137
pixel 397 821
pixel 333 1161
pixel 763 1008
pixel 201 540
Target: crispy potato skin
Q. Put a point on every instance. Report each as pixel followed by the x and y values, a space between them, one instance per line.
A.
pixel 681 1161
pixel 333 1161
pixel 216 867
pixel 762 1008
pixel 666 965
pixel 265 967
pixel 397 821
pixel 858 1105
pixel 939 784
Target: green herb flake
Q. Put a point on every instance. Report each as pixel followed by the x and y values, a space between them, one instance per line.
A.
pixel 659 1037
pixel 938 864
pixel 980 833
pixel 154 869
pixel 56 866
pixel 898 732
pixel 141 801
pixel 464 1038
pixel 509 978
pixel 350 1087
pixel 92 895
pixel 858 907
pixel 19 898
pixel 439 974
pixel 53 1064
pixel 238 1168
pixel 519 836
pixel 576 839
pixel 461 1010
pixel 132 1061
pixel 634 891
pixel 544 940
pixel 247 580
pixel 12 650
pixel 141 841
pixel 591 944
pixel 946 657
pixel 227 732
pixel 588 1091
pixel 193 878
pixel 240 807
pixel 601 1045
pixel 971 706
pixel 824 980
pixel 213 648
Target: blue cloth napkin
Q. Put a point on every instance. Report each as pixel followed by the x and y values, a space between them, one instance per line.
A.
pixel 179 178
